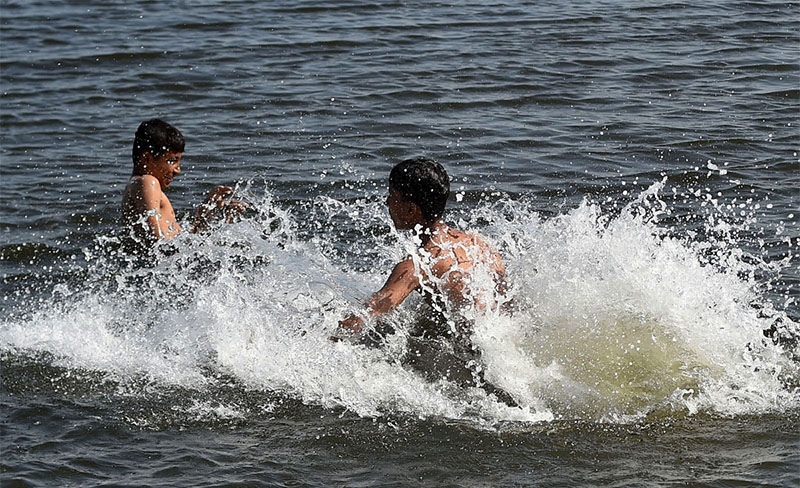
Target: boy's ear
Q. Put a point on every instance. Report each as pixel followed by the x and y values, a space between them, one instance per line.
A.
pixel 415 211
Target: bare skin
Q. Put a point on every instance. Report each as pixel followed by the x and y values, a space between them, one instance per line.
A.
pixel 450 253
pixel 147 211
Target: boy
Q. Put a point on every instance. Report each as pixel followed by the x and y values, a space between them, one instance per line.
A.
pixel 146 210
pixel 444 270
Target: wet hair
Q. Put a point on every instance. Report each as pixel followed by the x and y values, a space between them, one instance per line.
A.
pixel 424 182
pixel 156 137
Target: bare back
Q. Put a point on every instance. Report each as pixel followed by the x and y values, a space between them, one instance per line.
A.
pixel 450 270
pixel 452 256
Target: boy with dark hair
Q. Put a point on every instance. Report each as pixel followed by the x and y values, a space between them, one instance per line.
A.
pixel 442 268
pixel 146 210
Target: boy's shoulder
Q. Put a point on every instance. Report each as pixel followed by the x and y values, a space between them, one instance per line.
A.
pixel 144 184
pixel 142 191
pixel 461 245
pixel 452 237
pixel 141 180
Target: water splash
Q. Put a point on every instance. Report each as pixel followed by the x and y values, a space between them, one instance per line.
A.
pixel 620 319
pixel 615 316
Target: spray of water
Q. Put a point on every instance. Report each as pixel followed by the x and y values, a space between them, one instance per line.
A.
pixel 613 318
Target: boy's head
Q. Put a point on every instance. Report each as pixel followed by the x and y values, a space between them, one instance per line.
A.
pixel 156 137
pixel 418 191
pixel 157 150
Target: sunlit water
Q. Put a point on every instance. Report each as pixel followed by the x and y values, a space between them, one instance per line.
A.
pixel 636 168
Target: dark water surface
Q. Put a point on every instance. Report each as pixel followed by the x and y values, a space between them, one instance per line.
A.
pixel 635 162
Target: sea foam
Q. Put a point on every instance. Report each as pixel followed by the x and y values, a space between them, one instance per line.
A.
pixel 615 317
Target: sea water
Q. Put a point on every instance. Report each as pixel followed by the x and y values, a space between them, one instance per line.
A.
pixel 634 165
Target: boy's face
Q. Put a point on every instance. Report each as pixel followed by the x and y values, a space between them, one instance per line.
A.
pixel 165 167
pixel 404 214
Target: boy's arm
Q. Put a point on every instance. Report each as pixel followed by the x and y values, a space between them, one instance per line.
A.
pixel 401 282
pixel 151 201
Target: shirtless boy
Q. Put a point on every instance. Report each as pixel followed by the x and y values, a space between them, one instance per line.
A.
pixel 146 210
pixel 443 269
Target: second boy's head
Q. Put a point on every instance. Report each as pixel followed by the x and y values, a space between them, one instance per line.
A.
pixel 157 151
pixel 418 192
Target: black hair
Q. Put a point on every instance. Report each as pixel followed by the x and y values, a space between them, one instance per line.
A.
pixel 424 182
pixel 156 137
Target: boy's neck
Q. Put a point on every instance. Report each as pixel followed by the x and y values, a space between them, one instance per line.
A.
pixel 140 171
pixel 429 231
pixel 143 165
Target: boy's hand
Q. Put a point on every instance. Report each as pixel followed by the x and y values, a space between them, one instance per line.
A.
pixel 219 192
pixel 351 325
pixel 216 197
pixel 216 202
pixel 234 209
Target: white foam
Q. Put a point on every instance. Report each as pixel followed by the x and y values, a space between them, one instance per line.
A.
pixel 616 319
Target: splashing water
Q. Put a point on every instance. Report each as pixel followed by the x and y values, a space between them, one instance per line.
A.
pixel 619 320
pixel 614 317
